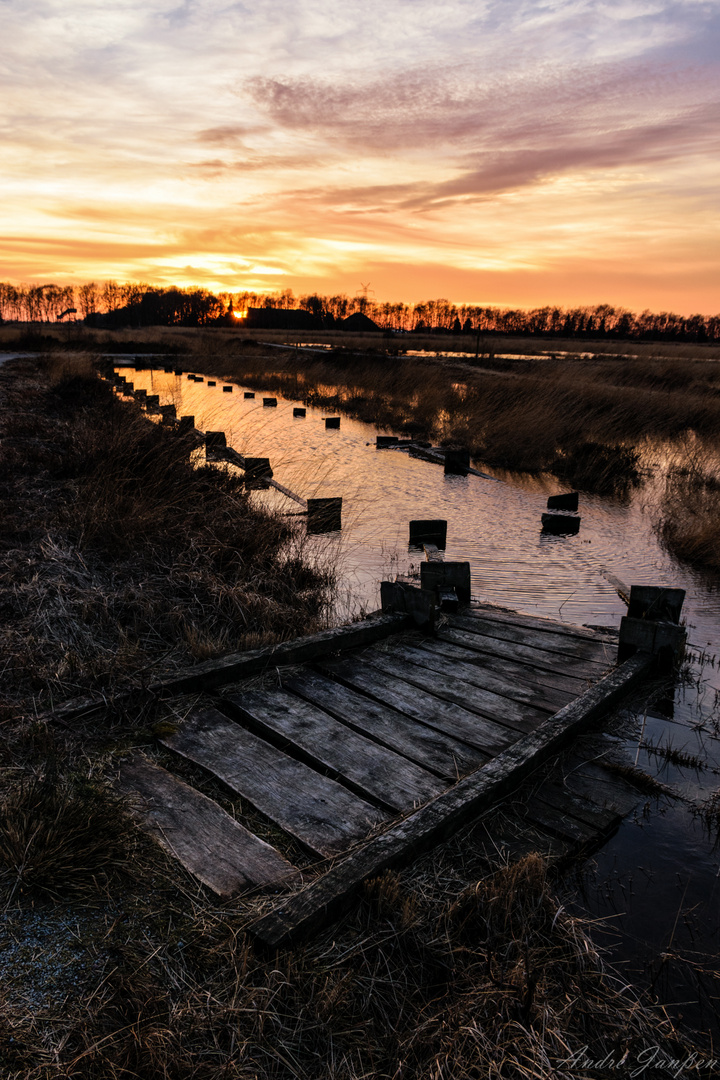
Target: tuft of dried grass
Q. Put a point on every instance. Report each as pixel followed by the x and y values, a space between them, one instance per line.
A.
pixel 118 556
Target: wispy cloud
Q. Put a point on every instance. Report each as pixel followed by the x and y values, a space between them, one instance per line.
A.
pixel 319 138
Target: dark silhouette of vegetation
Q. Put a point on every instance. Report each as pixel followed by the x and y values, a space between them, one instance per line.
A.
pixel 135 304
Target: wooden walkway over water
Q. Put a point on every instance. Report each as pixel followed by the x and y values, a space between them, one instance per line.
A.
pixel 360 757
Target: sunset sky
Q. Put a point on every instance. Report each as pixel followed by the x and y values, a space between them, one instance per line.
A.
pixel 510 152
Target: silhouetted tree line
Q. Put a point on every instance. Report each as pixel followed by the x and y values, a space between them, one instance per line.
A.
pixel 136 304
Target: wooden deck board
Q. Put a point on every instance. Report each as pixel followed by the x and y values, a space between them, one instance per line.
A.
pixel 316 810
pixel 433 749
pixel 310 908
pixel 379 774
pixel 502 667
pixel 209 843
pixel 493 706
pixel 445 716
pixel 540 622
pixel 555 663
pixel 547 640
pixel 522 688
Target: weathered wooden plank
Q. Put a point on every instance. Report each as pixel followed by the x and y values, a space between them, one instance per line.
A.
pixel 446 716
pixel 597 785
pixel 209 843
pixel 505 837
pixel 527 690
pixel 539 622
pixel 377 773
pixel 501 710
pixel 298 651
pixel 433 749
pixel 564 826
pixel 510 671
pixel 303 912
pixel 601 820
pixel 236 666
pixel 593 651
pixel 539 658
pixel 318 811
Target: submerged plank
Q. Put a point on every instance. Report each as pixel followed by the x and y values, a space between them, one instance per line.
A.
pixel 539 658
pixel 311 907
pixel 565 645
pixel 539 622
pixel 527 690
pixel 379 774
pixel 446 716
pixel 426 746
pixel 501 710
pixel 598 785
pixel 318 811
pixel 209 843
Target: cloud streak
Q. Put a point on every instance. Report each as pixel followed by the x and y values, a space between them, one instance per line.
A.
pixel 163 137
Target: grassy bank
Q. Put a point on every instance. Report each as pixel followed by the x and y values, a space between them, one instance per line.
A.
pixel 132 560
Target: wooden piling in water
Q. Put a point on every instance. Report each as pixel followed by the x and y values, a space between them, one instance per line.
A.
pixel 332 421
pixel 248 395
pixel 227 389
pixel 560 524
pixel 324 515
pixel 446 575
pixel 568 501
pixel 299 412
pixel 457 462
pixel 428 531
pixel 269 402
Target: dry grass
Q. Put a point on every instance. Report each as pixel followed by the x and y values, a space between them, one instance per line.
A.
pixel 689 522
pixel 434 975
pixel 117 556
pixel 581 419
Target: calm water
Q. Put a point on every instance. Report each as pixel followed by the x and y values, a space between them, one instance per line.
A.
pixel 657 878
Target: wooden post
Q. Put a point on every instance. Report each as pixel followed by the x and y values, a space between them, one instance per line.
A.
pixel 332 421
pixel 139 394
pixel 258 468
pixel 211 382
pixel 152 402
pixel 398 596
pixel 383 441
pixel 324 515
pixel 431 531
pixel 446 575
pixel 560 524
pixel 652 625
pixel 299 412
pixel 457 462
pixel 186 423
pixel 270 402
pixel 247 395
pixel 227 389
pixel 569 501
pixel 168 412
pixel 214 440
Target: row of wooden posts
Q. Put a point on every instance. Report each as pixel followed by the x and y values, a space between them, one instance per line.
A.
pixel 270 402
pixel 652 624
pixel 323 514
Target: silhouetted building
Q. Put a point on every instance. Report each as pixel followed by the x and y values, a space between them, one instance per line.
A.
pixel 268 318
pixel 360 324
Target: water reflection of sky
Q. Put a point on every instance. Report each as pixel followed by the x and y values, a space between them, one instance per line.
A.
pixel 494 525
pixel 657 877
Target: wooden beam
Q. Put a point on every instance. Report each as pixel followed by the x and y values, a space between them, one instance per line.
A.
pixel 306 911
pixel 209 843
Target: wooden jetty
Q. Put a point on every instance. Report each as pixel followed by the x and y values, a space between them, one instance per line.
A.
pixel 375 742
